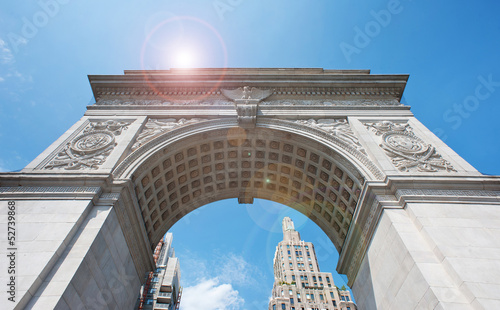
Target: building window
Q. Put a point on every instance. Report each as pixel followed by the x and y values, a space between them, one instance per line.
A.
pixel 283 306
pixel 291 301
pixel 274 307
pixel 293 277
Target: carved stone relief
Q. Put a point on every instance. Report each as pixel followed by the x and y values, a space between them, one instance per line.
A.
pixel 90 149
pixel 336 127
pixel 271 102
pixel 156 127
pixel 408 152
pixel 246 100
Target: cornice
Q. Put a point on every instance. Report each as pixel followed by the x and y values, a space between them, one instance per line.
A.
pixel 208 82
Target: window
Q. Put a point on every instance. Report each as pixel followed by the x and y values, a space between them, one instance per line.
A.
pixel 293 277
pixel 283 306
pixel 320 279
pixel 328 279
pixel 274 307
pixel 347 298
pixel 291 301
pixel 321 297
pixel 331 295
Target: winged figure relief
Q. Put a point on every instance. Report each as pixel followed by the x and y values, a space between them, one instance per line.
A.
pixel 247 93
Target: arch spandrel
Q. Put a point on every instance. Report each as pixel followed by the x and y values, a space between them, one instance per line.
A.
pixel 286 162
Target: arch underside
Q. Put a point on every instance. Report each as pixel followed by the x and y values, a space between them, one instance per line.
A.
pixel 288 168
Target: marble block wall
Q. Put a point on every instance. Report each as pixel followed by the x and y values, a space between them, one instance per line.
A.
pixel 433 256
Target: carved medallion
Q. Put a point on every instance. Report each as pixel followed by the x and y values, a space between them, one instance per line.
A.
pixel 92 142
pixel 90 149
pixel 408 152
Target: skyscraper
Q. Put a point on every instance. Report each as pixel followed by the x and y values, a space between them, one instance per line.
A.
pixel 162 289
pixel 298 282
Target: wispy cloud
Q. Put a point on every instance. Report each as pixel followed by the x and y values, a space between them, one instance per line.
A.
pixel 6 56
pixel 236 270
pixel 228 268
pixel 209 294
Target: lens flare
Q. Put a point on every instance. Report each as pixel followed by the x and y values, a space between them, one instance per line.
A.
pixel 185 58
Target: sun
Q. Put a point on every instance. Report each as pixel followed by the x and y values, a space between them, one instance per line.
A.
pixel 185 58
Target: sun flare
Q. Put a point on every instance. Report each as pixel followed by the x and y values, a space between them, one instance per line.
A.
pixel 184 59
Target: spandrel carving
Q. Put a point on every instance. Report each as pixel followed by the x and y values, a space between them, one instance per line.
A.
pixel 336 127
pixel 90 149
pixel 156 127
pixel 407 151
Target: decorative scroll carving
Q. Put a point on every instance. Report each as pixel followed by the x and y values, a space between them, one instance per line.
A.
pixel 155 127
pixel 90 149
pixel 336 127
pixel 408 152
pixel 247 100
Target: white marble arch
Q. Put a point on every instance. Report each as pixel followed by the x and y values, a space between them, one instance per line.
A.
pixel 416 226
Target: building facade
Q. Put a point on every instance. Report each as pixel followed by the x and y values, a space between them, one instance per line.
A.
pixel 298 282
pixel 162 288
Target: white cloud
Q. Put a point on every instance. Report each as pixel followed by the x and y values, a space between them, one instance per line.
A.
pixel 6 56
pixel 210 295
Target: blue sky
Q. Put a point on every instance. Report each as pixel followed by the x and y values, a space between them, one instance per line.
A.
pixel 48 48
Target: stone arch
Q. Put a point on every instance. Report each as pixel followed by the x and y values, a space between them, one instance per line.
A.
pixel 313 172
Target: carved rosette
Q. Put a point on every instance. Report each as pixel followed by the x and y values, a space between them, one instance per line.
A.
pixel 407 151
pixel 339 128
pixel 156 127
pixel 90 149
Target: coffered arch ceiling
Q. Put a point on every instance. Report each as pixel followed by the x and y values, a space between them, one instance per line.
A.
pixel 187 168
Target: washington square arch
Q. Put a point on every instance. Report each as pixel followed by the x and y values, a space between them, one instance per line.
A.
pixel 416 226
